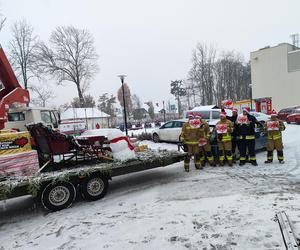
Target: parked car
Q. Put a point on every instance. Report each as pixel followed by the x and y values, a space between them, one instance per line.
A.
pixel 170 132
pixel 294 117
pixel 122 126
pixel 261 117
pixel 210 113
pixel 147 125
pixel 157 123
pixel 284 113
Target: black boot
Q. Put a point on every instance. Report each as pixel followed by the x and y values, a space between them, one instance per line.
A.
pixel 268 161
pixel 253 162
pixel 281 161
pixel 242 163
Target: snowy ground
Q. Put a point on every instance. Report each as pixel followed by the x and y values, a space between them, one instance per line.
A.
pixel 166 208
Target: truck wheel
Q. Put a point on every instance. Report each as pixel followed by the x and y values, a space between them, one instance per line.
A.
pixel 156 138
pixel 58 196
pixel 94 187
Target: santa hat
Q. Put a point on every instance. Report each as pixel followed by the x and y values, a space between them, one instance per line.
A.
pixel 246 109
pixel 198 115
pixel 274 113
pixel 222 114
pixel 191 115
pixel 235 110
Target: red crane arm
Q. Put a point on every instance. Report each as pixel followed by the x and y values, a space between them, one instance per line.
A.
pixel 12 91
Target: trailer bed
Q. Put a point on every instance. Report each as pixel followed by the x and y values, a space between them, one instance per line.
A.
pixel 19 186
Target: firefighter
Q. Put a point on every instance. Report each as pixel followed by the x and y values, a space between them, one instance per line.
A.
pixel 234 134
pixel 273 129
pixel 224 128
pixel 205 147
pixel 190 135
pixel 246 124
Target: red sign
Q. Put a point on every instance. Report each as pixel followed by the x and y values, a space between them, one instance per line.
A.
pixel 273 126
pixel 222 128
pixel 242 119
pixel 195 123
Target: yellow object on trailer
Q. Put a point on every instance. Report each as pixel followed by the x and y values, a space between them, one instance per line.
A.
pixel 16 142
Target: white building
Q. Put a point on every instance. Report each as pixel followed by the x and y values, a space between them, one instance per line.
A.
pixel 275 73
pixel 92 117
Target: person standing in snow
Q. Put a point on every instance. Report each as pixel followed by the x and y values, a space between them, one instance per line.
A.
pixel 234 134
pixel 246 124
pixel 274 127
pixel 190 135
pixel 205 147
pixel 224 128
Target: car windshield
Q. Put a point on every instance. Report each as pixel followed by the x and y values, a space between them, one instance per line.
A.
pixel 167 125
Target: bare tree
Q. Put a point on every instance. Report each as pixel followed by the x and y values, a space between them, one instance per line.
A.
pixel 201 72
pixel 136 102
pixel 22 51
pixel 127 95
pixel 70 57
pixel 88 102
pixel 43 94
pixel 2 21
pixel 178 90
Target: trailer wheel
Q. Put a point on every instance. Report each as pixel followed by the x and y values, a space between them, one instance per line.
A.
pixel 94 187
pixel 58 196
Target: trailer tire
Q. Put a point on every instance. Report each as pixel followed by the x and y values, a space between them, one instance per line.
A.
pixel 94 187
pixel 58 196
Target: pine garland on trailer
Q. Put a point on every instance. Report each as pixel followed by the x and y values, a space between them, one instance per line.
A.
pixel 34 183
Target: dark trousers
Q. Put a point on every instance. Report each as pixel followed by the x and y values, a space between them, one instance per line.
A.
pixel 234 146
pixel 244 145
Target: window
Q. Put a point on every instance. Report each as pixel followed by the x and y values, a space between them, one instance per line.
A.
pixel 178 124
pixel 215 115
pixel 46 117
pixel 17 116
pixel 205 114
pixel 168 125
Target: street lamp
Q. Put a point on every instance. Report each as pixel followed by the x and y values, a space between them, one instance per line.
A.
pixel 250 86
pixel 122 77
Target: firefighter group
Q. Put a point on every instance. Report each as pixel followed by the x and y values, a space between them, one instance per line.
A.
pixel 233 134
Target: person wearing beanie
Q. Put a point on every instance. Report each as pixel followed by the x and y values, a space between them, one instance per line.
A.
pixel 246 124
pixel 274 127
pixel 204 144
pixel 224 128
pixel 190 135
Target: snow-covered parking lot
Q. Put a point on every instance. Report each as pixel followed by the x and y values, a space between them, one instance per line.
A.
pixel 166 208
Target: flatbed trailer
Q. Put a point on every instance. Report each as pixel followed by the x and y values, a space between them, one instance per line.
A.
pixel 56 189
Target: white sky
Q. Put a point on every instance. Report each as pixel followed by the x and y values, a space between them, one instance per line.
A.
pixel 151 41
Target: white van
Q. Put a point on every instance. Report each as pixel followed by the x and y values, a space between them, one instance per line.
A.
pixel 209 113
pixel 17 118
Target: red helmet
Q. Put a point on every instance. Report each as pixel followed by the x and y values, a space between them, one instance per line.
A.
pixel 246 109
pixel 191 115
pixel 223 114
pixel 198 115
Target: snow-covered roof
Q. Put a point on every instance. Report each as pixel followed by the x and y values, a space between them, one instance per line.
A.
pixel 207 107
pixel 82 113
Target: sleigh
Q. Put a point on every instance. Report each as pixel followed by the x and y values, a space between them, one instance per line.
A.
pixel 54 146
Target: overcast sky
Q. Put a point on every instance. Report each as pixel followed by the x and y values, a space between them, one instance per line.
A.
pixel 152 41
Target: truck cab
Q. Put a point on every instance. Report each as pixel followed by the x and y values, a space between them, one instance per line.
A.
pixel 17 118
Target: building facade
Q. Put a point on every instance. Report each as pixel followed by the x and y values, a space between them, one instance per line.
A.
pixel 275 72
